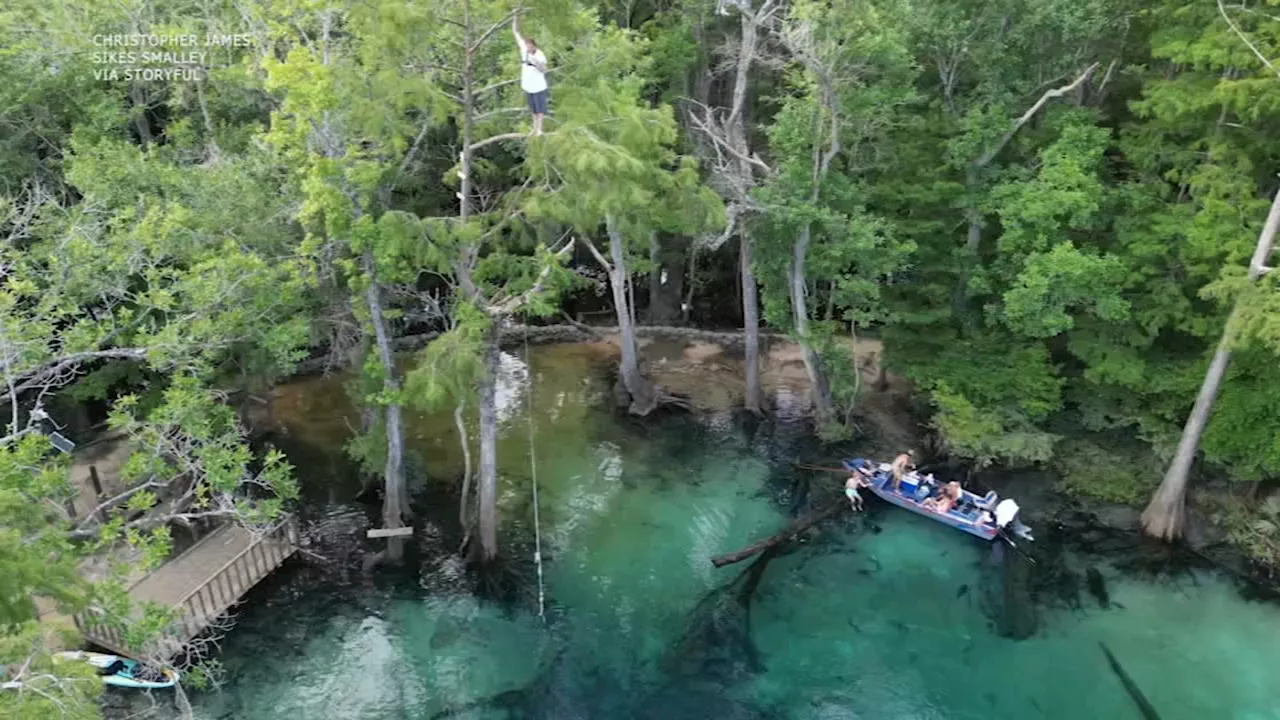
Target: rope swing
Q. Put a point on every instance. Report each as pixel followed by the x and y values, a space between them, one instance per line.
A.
pixel 533 472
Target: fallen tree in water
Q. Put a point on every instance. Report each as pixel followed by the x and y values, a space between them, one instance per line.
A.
pixel 796 527
pixel 1144 706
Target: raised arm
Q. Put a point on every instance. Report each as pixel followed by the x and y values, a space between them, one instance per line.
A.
pixel 515 30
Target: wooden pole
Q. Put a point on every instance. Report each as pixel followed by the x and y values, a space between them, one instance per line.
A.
pixel 97 491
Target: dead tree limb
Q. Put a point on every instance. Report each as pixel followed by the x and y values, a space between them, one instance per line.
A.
pixel 1031 112
pixel 796 527
pixel 973 241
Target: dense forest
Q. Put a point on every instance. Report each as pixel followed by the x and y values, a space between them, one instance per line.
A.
pixel 1045 209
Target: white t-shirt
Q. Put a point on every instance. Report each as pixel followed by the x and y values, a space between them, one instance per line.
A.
pixel 533 80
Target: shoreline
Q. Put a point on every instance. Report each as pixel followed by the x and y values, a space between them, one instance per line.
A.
pixel 706 366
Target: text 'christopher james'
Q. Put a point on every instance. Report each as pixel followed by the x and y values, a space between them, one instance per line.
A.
pixel 158 57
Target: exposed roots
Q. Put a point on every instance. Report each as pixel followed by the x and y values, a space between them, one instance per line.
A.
pixel 1165 515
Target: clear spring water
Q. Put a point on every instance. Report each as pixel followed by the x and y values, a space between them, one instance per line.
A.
pixel 853 624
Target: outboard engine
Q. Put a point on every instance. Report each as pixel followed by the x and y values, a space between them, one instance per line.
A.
pixel 1007 519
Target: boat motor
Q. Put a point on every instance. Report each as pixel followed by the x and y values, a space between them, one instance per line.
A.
pixel 1007 519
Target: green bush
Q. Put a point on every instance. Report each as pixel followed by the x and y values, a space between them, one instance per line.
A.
pixel 1092 469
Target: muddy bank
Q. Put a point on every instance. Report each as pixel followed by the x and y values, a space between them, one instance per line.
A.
pixel 706 367
pixel 516 335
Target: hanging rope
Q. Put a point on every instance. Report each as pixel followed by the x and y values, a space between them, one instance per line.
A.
pixel 533 471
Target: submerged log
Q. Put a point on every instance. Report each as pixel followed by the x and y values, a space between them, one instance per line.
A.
pixel 796 527
pixel 1144 706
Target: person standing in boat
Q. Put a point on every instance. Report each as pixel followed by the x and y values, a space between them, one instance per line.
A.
pixel 533 76
pixel 901 464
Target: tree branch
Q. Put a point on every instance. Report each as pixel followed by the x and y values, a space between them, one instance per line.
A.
pixel 713 242
pixel 599 258
pixel 53 368
pixel 492 113
pixel 1030 113
pixel 714 136
pixel 512 304
pixel 498 138
pixel 494 28
pixel 108 504
pixel 494 86
pixel 1246 40
pixel 408 157
pixel 151 521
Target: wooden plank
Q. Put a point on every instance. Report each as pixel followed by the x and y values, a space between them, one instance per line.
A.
pixel 390 532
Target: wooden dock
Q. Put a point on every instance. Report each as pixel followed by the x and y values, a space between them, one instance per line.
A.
pixel 204 583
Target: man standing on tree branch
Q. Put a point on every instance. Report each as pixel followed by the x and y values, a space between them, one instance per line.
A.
pixel 533 78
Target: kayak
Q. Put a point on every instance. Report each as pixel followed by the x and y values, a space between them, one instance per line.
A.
pixel 124 672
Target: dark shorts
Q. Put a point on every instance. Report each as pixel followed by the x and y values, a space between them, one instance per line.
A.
pixel 538 102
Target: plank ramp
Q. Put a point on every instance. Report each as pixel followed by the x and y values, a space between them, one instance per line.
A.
pixel 203 583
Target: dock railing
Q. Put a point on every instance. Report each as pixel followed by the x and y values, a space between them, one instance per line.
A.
pixel 204 604
pixel 229 583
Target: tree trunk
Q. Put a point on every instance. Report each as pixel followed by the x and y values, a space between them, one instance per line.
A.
pixel 655 276
pixel 823 403
pixel 736 128
pixel 644 397
pixel 488 479
pixel 1163 517
pixel 464 502
pixel 666 280
pixel 750 324
pixel 686 305
pixel 395 496
pixel 139 99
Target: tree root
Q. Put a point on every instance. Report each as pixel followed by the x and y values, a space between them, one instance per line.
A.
pixel 1164 516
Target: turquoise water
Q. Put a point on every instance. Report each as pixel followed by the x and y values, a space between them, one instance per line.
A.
pixel 873 617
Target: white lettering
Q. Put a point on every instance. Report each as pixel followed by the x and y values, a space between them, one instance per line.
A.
pixel 224 40
pixel 115 58
pixel 173 58
pixel 144 40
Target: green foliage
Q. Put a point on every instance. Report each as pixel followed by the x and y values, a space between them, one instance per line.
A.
pixel 978 418
pixel 36 557
pixel 1064 196
pixel 1253 527
pixel 1062 280
pixel 52 688
pixel 446 372
pixel 674 53
pixel 1079 274
pixel 614 156
pixel 1242 434
pixel 987 436
pixel 1105 471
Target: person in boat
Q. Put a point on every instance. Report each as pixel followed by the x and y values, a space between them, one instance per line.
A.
pixel 533 76
pixel 928 488
pixel 946 499
pixel 857 480
pixel 901 464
